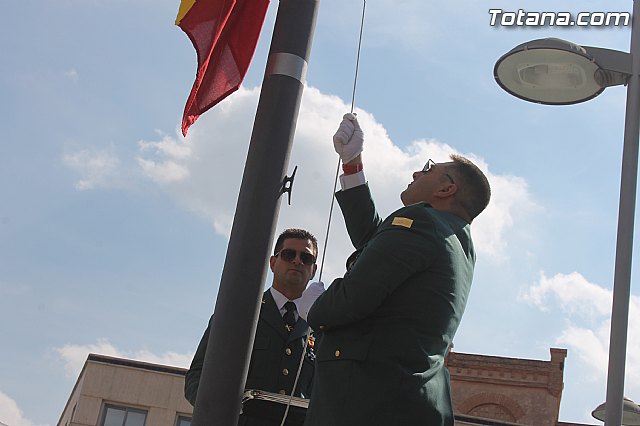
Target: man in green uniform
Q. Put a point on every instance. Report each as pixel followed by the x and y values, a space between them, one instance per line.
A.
pixel 280 334
pixel 388 323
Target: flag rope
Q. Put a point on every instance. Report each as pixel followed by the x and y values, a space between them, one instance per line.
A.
pixel 335 179
pixel 326 237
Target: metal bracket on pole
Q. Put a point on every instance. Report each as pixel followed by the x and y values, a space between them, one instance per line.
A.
pixel 288 180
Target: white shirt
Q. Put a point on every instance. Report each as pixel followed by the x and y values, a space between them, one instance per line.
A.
pixel 352 180
pixel 280 300
pixel 303 303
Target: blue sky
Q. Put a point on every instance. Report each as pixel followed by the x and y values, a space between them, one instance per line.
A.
pixel 113 228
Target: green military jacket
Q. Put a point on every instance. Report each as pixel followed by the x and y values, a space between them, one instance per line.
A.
pixel 387 324
pixel 274 363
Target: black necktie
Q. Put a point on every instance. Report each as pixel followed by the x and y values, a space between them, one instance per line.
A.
pixel 290 315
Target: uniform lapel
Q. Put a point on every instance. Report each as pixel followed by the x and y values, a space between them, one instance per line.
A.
pixel 300 330
pixel 271 315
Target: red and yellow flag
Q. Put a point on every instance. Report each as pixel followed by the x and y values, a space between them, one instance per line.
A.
pixel 225 34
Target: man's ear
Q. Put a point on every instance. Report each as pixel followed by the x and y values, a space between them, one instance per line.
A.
pixel 272 262
pixel 446 190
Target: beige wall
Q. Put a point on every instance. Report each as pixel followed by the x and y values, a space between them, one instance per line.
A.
pixel 159 393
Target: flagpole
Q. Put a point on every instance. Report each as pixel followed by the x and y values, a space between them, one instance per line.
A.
pixel 226 361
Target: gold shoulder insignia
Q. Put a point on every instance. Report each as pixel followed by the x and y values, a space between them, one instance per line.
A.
pixel 402 221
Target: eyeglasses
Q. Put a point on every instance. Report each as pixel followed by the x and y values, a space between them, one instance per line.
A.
pixel 289 255
pixel 430 163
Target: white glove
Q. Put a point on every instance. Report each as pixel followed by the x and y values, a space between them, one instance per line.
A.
pixel 309 295
pixel 349 138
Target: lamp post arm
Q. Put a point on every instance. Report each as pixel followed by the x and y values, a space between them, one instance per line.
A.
pixel 615 66
pixel 611 60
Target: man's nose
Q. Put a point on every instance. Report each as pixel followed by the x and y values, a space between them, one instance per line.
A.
pixel 416 174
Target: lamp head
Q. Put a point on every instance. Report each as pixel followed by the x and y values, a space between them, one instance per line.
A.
pixel 630 413
pixel 550 71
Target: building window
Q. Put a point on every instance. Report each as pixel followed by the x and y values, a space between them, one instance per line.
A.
pixel 123 416
pixel 183 421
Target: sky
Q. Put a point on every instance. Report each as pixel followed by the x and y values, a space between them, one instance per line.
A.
pixel 114 228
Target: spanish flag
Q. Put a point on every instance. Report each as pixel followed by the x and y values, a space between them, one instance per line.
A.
pixel 225 34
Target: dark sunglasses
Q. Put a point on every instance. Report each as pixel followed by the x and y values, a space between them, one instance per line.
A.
pixel 289 255
pixel 430 163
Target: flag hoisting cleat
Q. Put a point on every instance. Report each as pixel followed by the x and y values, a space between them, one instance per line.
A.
pixel 287 188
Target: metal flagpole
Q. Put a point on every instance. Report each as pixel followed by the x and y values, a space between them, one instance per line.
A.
pixel 235 317
pixel 624 242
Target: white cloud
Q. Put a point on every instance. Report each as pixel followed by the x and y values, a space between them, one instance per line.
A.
pixel 72 74
pixel 10 413
pixel 204 173
pixel 167 147
pixel 74 356
pixel 99 168
pixel 164 172
pixel 510 204
pixel 165 167
pixel 591 346
pixel 587 310
pixel 573 292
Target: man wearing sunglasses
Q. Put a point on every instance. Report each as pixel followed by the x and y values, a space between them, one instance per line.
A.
pixel 389 322
pixel 280 334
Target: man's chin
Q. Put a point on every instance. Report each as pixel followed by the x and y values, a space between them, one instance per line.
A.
pixel 297 285
pixel 403 197
pixel 294 278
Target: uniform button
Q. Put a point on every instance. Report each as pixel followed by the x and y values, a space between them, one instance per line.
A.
pixel 321 327
pixel 287 351
pixel 338 353
pixel 281 392
pixel 285 372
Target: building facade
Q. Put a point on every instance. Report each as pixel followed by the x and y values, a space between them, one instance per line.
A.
pixel 519 391
pixel 121 392
pixel 486 390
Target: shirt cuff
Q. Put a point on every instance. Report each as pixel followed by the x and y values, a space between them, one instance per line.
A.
pixel 352 180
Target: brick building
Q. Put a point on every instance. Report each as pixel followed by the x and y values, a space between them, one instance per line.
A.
pixel 520 391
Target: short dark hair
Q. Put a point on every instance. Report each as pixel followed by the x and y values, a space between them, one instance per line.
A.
pixel 296 233
pixel 474 190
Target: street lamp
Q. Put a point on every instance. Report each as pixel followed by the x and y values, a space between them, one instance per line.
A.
pixel 630 413
pixel 557 72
